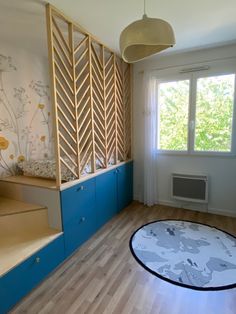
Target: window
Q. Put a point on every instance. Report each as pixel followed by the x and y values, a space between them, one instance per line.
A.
pixel 214 113
pixel 173 115
pixel 196 113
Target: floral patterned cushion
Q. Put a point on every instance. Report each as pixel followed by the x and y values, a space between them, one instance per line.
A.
pixel 44 169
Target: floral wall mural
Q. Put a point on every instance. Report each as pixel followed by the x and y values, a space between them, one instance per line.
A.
pixel 25 112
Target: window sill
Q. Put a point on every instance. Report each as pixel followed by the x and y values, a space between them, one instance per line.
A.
pixel 196 154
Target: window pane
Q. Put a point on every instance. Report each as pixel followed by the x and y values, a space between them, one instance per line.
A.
pixel 214 112
pixel 173 103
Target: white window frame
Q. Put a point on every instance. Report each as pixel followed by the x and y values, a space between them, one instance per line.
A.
pixel 214 69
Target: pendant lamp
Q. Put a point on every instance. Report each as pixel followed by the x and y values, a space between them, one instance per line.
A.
pixel 145 37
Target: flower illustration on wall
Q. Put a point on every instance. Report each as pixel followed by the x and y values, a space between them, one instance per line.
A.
pixel 4 143
pixel 25 121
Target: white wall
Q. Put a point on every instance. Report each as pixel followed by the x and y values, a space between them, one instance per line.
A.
pixel 221 170
pixel 25 108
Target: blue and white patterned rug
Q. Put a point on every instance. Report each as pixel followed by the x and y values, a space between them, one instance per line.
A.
pixel 188 254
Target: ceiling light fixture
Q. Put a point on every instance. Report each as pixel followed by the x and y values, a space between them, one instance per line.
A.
pixel 145 37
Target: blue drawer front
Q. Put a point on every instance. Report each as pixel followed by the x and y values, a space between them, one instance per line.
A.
pixel 75 198
pixel 106 197
pixel 18 282
pixel 80 228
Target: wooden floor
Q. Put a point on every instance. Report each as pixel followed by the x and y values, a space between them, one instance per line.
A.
pixel 103 277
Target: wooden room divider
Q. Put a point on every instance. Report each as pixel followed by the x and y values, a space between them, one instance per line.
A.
pixel 91 93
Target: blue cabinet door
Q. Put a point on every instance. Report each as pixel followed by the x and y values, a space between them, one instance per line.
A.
pixel 124 185
pixel 78 214
pixel 20 280
pixel 106 196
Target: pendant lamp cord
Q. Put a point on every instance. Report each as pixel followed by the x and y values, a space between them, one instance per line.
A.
pixel 144 9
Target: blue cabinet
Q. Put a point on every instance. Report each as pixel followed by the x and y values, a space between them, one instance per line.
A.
pixel 78 214
pixel 106 196
pixel 85 208
pixel 89 205
pixel 19 281
pixel 124 185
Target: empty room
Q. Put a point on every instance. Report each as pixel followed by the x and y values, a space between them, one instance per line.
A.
pixel 117 157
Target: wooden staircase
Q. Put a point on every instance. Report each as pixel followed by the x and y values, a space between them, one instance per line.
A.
pixel 24 229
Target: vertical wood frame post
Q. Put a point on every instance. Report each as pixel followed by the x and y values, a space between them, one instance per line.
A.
pixel 71 42
pixel 53 93
pixel 91 106
pixel 116 150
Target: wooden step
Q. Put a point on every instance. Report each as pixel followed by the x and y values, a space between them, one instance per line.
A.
pixel 11 207
pixel 32 181
pixel 14 249
pixel 24 230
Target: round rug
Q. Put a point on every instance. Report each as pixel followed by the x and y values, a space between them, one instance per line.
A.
pixel 187 254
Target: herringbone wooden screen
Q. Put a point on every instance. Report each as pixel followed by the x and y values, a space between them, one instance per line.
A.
pixel 92 99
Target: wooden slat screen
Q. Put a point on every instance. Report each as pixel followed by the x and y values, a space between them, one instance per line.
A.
pixel 91 88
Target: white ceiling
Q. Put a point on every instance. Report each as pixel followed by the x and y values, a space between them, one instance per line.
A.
pixel 196 23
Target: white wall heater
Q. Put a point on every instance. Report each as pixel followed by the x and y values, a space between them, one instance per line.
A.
pixel 191 188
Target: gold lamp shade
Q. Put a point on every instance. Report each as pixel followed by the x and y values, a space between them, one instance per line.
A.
pixel 144 38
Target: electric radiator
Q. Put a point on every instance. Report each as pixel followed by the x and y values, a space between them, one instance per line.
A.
pixel 193 188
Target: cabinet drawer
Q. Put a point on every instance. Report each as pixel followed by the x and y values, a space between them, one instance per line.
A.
pixel 80 229
pixel 19 281
pixel 77 197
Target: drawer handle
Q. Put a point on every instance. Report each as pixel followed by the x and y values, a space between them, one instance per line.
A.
pixel 82 219
pixel 37 260
pixel 81 188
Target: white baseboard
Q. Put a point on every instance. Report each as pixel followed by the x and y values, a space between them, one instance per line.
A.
pixel 224 212
pixel 186 205
pixel 197 207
